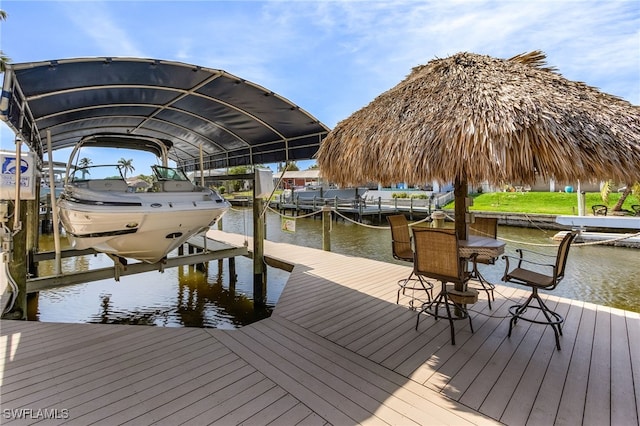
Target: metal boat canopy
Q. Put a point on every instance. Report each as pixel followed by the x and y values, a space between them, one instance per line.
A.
pixel 236 122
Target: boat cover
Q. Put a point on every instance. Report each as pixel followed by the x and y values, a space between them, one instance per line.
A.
pixel 236 122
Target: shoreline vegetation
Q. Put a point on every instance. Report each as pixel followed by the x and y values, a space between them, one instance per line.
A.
pixel 552 203
pixel 556 203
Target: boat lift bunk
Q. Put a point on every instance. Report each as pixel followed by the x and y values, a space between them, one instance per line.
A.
pixel 205 249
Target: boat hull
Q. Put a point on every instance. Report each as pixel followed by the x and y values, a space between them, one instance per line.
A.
pixel 143 226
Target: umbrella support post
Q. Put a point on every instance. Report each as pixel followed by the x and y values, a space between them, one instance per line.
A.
pixel 460 195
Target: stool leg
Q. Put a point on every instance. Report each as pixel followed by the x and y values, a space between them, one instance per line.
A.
pixel 446 305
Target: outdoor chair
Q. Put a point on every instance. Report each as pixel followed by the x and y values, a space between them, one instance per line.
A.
pixel 437 256
pixel 402 250
pixel 599 210
pixel 538 281
pixel 484 227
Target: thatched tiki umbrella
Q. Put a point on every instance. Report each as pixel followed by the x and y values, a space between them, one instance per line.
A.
pixel 469 119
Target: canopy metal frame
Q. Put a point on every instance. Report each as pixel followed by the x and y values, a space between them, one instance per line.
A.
pixel 233 121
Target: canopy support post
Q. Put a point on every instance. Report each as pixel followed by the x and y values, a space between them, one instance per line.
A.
pixel 259 269
pixel 54 208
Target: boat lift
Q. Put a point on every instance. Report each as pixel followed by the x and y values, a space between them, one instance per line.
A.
pixel 233 120
pixel 206 249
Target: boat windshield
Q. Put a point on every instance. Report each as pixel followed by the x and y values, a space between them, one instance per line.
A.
pixel 111 171
pixel 167 173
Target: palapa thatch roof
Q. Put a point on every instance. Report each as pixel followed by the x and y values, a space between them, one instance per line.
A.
pixel 475 118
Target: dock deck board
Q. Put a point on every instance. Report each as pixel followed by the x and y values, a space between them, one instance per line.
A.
pixel 338 350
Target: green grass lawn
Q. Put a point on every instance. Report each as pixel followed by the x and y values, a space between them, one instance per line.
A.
pixel 561 203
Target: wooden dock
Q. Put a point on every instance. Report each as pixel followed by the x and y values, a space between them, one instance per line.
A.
pixel 337 350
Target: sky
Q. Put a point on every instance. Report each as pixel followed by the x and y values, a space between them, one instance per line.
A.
pixel 332 57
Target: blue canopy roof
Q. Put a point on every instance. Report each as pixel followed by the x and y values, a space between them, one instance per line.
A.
pixel 235 121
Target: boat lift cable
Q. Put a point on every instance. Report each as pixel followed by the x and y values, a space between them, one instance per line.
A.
pixel 6 259
pixel 14 290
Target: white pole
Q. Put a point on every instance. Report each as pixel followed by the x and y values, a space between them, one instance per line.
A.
pixel 54 209
pixel 201 168
pixel 581 201
pixel 17 225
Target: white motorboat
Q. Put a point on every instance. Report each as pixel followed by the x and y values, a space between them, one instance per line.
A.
pixel 101 211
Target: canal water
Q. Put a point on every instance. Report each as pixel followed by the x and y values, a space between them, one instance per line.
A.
pixel 187 297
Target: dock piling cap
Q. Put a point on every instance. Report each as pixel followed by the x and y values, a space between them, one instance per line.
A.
pixel 438 214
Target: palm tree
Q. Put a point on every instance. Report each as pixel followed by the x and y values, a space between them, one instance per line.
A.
pixel 83 163
pixel 126 166
pixel 628 190
pixel 4 60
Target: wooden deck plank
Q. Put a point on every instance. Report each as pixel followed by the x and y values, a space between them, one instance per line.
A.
pixel 366 339
pixel 272 411
pixel 391 352
pixel 295 416
pixel 633 325
pixel 227 402
pixel 313 419
pixel 90 353
pixel 454 376
pixel 520 384
pixel 72 380
pixel 305 395
pixel 343 303
pixel 157 395
pixel 545 407
pixel 52 337
pixel 316 299
pixel 215 389
pixel 92 395
pixel 360 322
pixel 623 402
pixel 408 391
pixel 498 359
pixel 342 381
pixel 571 407
pixel 340 394
pixel 597 404
pixel 135 393
pixel 455 357
pixel 250 405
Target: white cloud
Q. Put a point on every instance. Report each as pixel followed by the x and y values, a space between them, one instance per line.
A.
pixel 107 36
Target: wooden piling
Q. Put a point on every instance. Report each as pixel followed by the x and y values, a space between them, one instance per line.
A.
pixel 259 269
pixel 326 228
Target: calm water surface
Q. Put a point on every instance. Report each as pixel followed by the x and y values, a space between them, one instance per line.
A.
pixel 185 297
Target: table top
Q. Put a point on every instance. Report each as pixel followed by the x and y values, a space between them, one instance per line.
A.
pixel 484 246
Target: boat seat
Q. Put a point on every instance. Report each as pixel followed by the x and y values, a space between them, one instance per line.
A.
pixel 111 185
pixel 176 186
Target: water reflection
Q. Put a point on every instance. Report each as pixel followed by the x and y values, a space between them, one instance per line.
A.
pixel 180 297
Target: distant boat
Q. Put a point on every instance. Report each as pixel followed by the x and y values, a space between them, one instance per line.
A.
pixel 101 211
